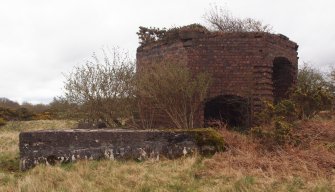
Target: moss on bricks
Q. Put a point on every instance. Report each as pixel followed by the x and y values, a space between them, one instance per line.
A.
pixel 209 137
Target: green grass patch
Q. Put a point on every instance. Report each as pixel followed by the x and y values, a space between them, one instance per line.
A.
pixel 9 162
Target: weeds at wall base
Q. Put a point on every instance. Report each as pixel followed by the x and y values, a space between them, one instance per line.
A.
pixel 244 166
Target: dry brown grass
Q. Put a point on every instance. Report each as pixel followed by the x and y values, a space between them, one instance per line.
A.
pixel 16 126
pixel 313 159
pixel 246 166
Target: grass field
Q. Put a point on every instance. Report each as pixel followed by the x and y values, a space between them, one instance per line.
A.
pixel 244 167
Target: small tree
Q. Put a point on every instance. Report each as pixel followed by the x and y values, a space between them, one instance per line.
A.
pixel 221 19
pixel 173 89
pixel 103 87
pixel 313 92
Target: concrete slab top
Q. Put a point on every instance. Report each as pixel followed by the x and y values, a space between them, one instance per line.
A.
pixel 96 130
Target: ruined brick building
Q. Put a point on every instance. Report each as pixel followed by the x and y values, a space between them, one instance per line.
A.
pixel 246 68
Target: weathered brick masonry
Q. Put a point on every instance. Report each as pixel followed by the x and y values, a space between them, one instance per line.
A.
pixel 248 66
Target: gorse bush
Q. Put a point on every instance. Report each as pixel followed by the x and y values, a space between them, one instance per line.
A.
pixel 7 114
pixel 275 123
pixel 43 116
pixel 285 110
pixel 24 114
pixel 312 94
pixel 13 111
pixel 282 131
pixel 19 114
pixel 279 132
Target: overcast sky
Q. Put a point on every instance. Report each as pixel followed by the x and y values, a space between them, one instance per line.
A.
pixel 40 40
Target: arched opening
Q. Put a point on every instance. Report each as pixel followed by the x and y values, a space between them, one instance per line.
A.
pixel 229 109
pixel 282 78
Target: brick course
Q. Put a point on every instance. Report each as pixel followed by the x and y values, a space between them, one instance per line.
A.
pixel 241 64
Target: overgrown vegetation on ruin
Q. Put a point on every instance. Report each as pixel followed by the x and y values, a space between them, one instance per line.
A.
pixel 312 96
pixel 289 152
pixel 151 34
pixel 216 18
pixel 221 19
pixel 171 88
pixel 291 147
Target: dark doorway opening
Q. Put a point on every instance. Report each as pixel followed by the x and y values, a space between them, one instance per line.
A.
pixel 282 78
pixel 229 109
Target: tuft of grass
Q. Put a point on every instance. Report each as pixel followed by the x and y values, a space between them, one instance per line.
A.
pixel 244 184
pixel 296 184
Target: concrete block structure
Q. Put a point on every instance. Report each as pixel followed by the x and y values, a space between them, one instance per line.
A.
pixel 246 68
pixel 62 146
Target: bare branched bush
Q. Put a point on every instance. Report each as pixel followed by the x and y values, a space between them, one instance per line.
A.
pixel 172 88
pixel 103 87
pixel 221 19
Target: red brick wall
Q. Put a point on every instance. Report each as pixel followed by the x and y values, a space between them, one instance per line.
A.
pixel 152 54
pixel 240 63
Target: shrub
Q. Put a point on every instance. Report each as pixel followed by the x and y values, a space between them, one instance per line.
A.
pixel 285 110
pixel 278 132
pixel 23 114
pixel 173 89
pixel 43 116
pixel 103 89
pixel 7 114
pixel 275 123
pixel 220 19
pixel 282 131
pixel 312 93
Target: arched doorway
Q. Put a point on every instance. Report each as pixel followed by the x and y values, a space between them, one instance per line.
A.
pixel 230 109
pixel 282 78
